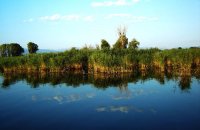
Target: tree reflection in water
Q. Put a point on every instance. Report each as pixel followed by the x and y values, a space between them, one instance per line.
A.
pixel 100 81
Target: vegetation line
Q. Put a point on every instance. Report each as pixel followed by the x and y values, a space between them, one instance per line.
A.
pixel 123 57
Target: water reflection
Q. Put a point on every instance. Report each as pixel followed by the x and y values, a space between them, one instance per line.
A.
pixel 185 82
pixel 99 81
pixel 123 109
pixel 62 99
pixel 65 98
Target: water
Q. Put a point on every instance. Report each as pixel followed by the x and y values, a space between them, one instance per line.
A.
pixel 72 101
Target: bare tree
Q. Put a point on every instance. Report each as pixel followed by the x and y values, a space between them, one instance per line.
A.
pixel 121 30
pixel 122 40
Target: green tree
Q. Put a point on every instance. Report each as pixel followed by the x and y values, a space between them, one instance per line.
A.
pixel 12 49
pixel 122 41
pixel 133 44
pixel 105 44
pixel 32 47
pixel 3 50
pixel 15 49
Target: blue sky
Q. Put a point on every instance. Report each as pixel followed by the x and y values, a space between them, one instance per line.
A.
pixel 62 24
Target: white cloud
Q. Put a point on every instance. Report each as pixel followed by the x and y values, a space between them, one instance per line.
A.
pixel 131 18
pixel 54 17
pixel 57 17
pixel 121 3
pixel 29 20
pixel 70 17
pixel 88 18
pixel 110 3
pixel 114 3
pixel 143 18
pixel 136 1
pixel 110 16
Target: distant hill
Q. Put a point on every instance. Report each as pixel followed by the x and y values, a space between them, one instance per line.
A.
pixel 43 51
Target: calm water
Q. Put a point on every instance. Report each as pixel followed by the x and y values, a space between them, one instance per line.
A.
pixel 96 102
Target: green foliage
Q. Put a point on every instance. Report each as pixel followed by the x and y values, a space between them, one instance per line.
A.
pixel 112 58
pixel 12 49
pixel 16 49
pixel 105 44
pixel 122 42
pixel 3 50
pixel 108 59
pixel 180 56
pixel 133 44
pixel 32 47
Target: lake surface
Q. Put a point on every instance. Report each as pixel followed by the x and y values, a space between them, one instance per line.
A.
pixel 72 101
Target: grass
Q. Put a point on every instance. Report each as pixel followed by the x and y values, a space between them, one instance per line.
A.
pixel 107 60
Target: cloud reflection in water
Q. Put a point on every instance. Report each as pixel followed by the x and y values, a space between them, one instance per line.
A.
pixel 69 98
pixel 122 109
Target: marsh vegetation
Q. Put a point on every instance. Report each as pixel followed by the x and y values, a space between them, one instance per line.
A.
pixel 123 57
